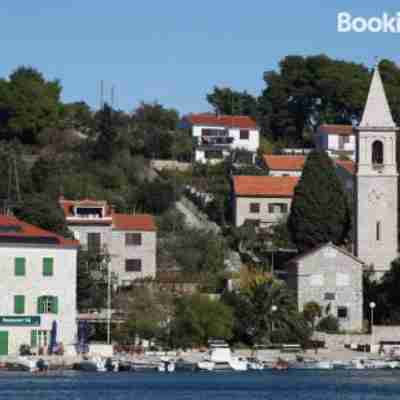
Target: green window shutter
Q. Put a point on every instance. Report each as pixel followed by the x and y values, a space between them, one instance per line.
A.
pixel 19 304
pixel 40 305
pixel 19 264
pixel 34 338
pixel 47 266
pixel 54 305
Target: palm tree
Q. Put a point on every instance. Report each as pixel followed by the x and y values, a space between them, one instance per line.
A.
pixel 273 307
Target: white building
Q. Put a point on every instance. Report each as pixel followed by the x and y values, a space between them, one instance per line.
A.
pixel 262 200
pixel 336 140
pixel 216 136
pixel 37 287
pixel 284 165
pixel 129 239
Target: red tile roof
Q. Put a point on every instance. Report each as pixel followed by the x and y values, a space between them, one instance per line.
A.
pixel 12 228
pixel 123 222
pixel 133 222
pixel 237 121
pixel 348 165
pixel 265 186
pixel 341 130
pixel 284 163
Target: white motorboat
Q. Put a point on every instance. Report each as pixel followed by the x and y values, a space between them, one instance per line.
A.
pixel 93 364
pixel 254 364
pixel 239 364
pixel 205 365
pixel 221 355
pixel 166 365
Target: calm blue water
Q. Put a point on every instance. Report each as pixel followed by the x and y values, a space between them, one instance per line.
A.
pixel 291 385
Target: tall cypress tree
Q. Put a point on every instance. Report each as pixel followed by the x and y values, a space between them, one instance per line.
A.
pixel 320 211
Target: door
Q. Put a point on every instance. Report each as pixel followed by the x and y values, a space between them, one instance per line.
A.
pixel 3 343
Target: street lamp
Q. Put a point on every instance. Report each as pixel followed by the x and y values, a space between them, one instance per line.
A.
pixel 372 305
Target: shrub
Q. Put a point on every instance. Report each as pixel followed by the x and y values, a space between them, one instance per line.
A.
pixel 328 324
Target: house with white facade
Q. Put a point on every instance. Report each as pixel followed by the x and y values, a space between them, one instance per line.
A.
pixel 129 239
pixel 37 287
pixel 262 200
pixel 217 136
pixel 336 140
pixel 284 165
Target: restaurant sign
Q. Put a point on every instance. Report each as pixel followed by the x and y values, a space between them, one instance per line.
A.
pixel 19 320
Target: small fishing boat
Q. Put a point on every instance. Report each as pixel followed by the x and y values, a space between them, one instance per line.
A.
pixel 144 366
pixel 254 364
pixel 205 365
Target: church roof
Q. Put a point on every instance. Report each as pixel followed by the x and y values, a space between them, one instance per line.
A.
pixel 377 112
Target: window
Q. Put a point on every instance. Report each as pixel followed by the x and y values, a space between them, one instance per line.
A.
pixel 378 231
pixel 342 141
pixel 40 338
pixel 342 312
pixel 47 266
pixel 47 305
pixel 253 222
pixel 133 239
pixel 19 266
pixel 254 207
pixel 279 208
pixel 244 134
pixel 133 265
pixel 19 304
pixel 214 132
pixel 377 153
pixel 329 296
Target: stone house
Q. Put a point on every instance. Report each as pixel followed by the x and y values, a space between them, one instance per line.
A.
pixel 332 277
pixel 129 239
pixel 262 200
pixel 37 287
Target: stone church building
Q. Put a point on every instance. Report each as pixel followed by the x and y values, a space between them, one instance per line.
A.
pixel 331 276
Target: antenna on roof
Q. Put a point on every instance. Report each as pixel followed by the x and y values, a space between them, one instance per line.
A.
pixel 101 94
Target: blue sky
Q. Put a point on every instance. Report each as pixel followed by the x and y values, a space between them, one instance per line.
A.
pixel 175 51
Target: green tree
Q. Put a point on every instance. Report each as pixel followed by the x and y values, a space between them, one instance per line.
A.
pixel 311 312
pixel 226 101
pixel 28 104
pixel 320 212
pixel 148 311
pixel 43 211
pixel 198 318
pixel 92 280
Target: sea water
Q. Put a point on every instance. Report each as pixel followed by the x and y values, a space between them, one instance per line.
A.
pixel 266 385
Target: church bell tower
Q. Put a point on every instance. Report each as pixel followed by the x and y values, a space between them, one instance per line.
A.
pixel 376 182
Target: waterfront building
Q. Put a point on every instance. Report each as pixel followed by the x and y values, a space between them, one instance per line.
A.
pixel 37 286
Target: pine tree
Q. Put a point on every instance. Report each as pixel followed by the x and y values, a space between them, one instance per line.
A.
pixel 320 211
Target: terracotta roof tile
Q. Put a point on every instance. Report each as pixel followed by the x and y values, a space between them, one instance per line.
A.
pixel 284 163
pixel 13 228
pixel 133 222
pixel 238 121
pixel 268 186
pixel 348 165
pixel 341 130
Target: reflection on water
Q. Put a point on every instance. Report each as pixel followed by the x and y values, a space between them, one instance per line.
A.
pixel 294 384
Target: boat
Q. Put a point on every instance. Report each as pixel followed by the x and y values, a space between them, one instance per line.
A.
pixel 144 366
pixel 205 365
pixel 28 364
pixel 166 365
pixel 221 355
pixel 254 364
pixel 111 365
pixel 93 364
pixel 323 364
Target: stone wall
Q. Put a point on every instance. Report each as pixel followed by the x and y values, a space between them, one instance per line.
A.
pixel 380 333
pixel 159 165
